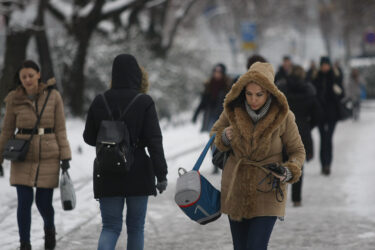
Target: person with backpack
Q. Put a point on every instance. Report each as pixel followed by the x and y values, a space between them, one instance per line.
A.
pixel 255 126
pixel 122 123
pixel 48 151
pixel 301 96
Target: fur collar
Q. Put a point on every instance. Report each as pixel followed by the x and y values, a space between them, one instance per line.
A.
pixel 145 84
pixel 259 135
pixel 19 95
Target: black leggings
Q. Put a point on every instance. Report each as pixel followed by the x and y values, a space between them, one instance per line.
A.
pixel 297 189
pixel 43 200
pixel 326 143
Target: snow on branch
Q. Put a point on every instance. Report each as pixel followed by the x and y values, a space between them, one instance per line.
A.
pixel 23 18
pixel 116 7
pixel 155 3
pixel 61 9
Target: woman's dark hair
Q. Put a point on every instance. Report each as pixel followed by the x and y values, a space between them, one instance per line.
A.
pixel 239 101
pixel 28 64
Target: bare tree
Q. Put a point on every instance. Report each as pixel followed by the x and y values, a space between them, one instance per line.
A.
pixel 23 19
pixel 80 23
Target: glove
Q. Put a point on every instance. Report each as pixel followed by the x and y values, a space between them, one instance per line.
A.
pixel 276 168
pixel 1 171
pixel 65 165
pixel 162 186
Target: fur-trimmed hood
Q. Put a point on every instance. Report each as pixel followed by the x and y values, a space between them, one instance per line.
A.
pixel 263 75
pixel 19 94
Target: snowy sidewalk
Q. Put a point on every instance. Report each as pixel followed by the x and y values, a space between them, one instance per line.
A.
pixel 338 212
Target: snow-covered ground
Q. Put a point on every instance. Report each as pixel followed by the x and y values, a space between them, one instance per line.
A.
pixel 338 212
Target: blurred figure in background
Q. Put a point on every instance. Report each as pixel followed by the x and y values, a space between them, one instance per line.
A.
pixel 356 84
pixel 328 84
pixel 311 72
pixel 212 99
pixel 213 96
pixel 284 71
pixel 301 96
pixel 250 61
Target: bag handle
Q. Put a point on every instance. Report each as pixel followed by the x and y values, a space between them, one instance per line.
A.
pixel 129 105
pixel 39 116
pixel 199 162
pixel 126 109
pixel 107 106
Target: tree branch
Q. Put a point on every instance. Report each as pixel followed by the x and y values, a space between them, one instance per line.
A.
pixel 115 8
pixel 180 15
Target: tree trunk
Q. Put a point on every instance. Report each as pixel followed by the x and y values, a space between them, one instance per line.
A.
pixel 42 43
pixel 76 80
pixel 15 53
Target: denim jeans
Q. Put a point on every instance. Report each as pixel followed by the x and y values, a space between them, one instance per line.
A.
pixel 111 210
pixel 252 234
pixel 43 200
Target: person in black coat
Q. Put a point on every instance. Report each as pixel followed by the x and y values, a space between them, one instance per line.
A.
pixel 134 187
pixel 301 96
pixel 212 98
pixel 284 71
pixel 330 91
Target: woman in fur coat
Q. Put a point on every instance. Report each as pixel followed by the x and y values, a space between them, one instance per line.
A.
pixel 255 126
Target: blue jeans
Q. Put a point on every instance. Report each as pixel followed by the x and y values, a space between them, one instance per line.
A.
pixel 43 200
pixel 252 234
pixel 111 210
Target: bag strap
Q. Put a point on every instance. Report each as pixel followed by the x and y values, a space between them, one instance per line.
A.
pixel 107 106
pixel 204 153
pixel 40 116
pixel 129 106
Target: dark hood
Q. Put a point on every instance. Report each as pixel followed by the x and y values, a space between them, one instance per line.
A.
pixel 126 72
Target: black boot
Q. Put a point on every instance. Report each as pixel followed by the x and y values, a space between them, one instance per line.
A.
pixel 25 246
pixel 49 239
pixel 326 170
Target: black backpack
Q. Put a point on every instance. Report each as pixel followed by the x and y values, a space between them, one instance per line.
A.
pixel 114 145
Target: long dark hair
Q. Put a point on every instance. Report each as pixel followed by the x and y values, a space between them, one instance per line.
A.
pixel 239 101
pixel 28 64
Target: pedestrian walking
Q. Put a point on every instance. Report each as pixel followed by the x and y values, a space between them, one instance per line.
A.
pixel 330 93
pixel 250 61
pixel 134 186
pixel 212 98
pixel 48 151
pixel 301 96
pixel 355 87
pixel 284 71
pixel 255 126
pixel 311 72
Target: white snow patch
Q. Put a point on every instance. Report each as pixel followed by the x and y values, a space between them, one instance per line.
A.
pixel 112 6
pixel 367 235
pixel 23 18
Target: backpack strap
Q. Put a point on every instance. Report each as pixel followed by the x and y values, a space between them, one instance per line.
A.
pixel 107 106
pixel 129 106
pixel 204 153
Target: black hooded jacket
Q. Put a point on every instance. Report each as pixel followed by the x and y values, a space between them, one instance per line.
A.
pixel 329 100
pixel 303 102
pixel 127 81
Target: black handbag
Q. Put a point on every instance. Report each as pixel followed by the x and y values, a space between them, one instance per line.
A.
pixel 16 149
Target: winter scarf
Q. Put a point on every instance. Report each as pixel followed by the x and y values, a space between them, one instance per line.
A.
pixel 256 116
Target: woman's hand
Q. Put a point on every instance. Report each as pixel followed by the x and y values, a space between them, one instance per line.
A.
pixel 229 133
pixel 281 177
